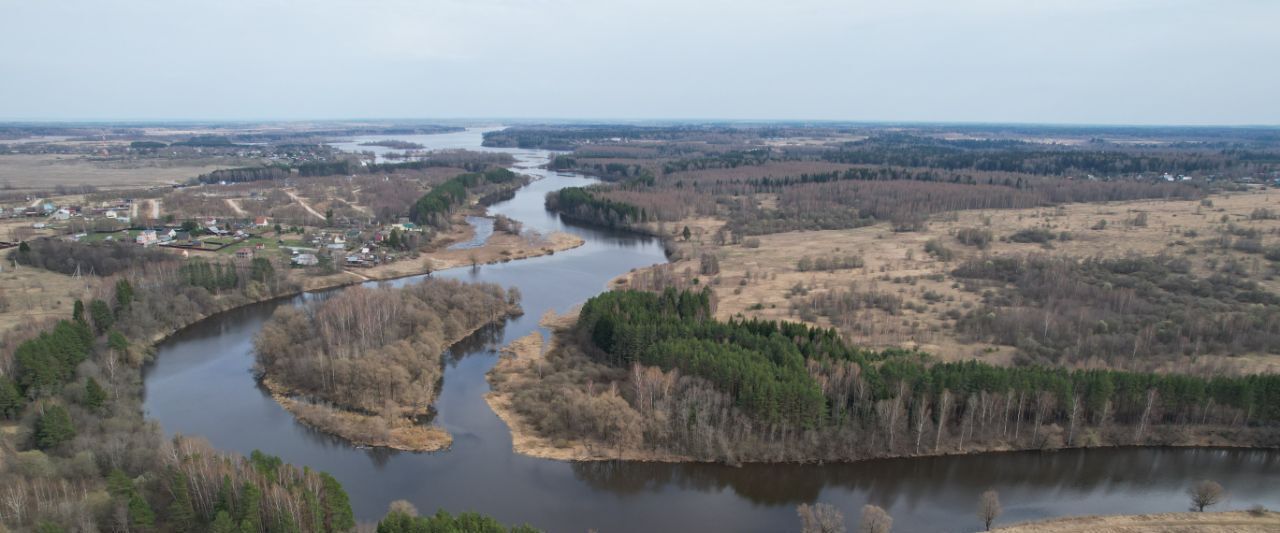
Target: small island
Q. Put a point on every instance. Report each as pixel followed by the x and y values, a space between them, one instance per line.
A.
pixel 366 365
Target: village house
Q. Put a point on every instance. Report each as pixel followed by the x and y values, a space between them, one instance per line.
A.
pixel 244 253
pixel 306 260
pixel 147 237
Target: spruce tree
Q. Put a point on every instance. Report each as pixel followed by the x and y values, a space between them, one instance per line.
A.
pixel 10 399
pixel 222 523
pixel 337 507
pixel 182 514
pixel 124 295
pixel 250 515
pixel 118 484
pixel 94 396
pixel 102 316
pixel 54 427
pixel 140 513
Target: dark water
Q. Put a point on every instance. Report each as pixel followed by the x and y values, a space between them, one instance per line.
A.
pixel 201 385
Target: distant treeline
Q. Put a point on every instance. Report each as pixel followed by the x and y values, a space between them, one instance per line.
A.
pixel 101 258
pixel 237 175
pixel 469 161
pixel 905 150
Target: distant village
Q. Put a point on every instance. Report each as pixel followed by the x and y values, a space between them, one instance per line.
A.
pixel 357 246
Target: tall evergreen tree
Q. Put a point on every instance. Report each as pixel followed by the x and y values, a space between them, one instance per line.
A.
pixel 124 295
pixel 10 399
pixel 141 517
pixel 182 514
pixel 222 523
pixel 102 316
pixel 250 515
pixel 337 507
pixel 94 396
pixel 54 427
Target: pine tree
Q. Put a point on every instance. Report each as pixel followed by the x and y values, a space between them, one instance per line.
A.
pixel 117 341
pixel 10 399
pixel 124 295
pixel 54 427
pixel 222 523
pixel 77 312
pixel 250 516
pixel 226 497
pixel 118 484
pixel 182 515
pixel 140 513
pixel 94 396
pixel 337 507
pixel 102 316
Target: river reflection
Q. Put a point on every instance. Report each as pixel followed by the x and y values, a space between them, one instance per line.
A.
pixel 200 384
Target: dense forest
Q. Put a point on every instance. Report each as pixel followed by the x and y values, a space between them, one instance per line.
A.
pixel 750 390
pixel 435 207
pixel 377 352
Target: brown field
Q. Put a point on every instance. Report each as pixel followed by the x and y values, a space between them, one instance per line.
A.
pixel 32 295
pixel 1235 522
pixel 758 281
pixel 31 172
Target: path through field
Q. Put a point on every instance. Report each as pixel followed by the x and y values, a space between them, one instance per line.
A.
pixel 304 203
pixel 235 206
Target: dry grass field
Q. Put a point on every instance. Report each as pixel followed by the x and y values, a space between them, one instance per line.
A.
pixel 762 280
pixel 29 295
pixel 42 172
pixel 1234 522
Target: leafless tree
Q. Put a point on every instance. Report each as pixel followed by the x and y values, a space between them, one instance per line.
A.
pixel 820 518
pixel 1205 494
pixel 989 508
pixel 875 520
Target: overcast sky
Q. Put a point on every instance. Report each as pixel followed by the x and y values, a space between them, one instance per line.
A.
pixel 1060 61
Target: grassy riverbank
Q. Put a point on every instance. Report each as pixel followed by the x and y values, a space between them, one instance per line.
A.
pixel 1233 521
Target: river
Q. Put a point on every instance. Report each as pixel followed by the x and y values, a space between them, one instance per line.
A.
pixel 200 384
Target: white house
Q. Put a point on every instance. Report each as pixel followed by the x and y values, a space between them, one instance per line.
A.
pixel 111 213
pixel 147 237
